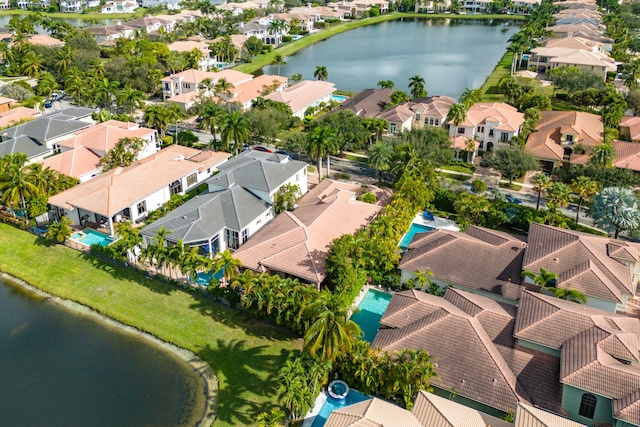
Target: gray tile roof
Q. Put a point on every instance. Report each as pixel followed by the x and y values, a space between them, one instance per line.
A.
pixel 207 214
pixel 23 144
pixel 368 103
pixel 256 171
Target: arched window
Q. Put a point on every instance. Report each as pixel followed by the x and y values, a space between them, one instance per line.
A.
pixel 588 405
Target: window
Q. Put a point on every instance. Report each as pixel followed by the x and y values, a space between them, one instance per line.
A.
pixel 504 137
pixel 437 122
pixel 187 86
pixel 393 127
pixel 588 405
pixel 426 120
pixel 431 121
pixel 192 179
pixel 166 86
pixel 175 187
pixel 460 130
pixel 245 235
pixel 417 117
pixel 569 138
pixel 142 207
pixel 491 133
pixel 232 239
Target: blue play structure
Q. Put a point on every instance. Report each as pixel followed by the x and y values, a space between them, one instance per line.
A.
pixel 428 216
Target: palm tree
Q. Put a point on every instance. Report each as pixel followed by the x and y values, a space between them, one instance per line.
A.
pixel 235 127
pixel 332 332
pixel 386 84
pixel 541 182
pixel 559 195
pixel 65 58
pixel 156 116
pixel 570 295
pixel 321 73
pixel 380 156
pixel 16 184
pixel 543 279
pixel 416 84
pixel 32 63
pixel 422 279
pixel 457 114
pixel 104 92
pixel 320 142
pixel 602 156
pixel 585 188
pixel 229 265
pixel 59 230
pixel 279 61
pixel 223 86
pixel 210 116
pixel 470 97
pixel 130 99
pixel 275 418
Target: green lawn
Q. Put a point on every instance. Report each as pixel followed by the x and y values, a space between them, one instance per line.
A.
pixel 291 48
pixel 490 90
pixel 244 353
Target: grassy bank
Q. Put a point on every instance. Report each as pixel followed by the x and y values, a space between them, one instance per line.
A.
pixel 96 15
pixel 291 48
pixel 490 90
pixel 244 353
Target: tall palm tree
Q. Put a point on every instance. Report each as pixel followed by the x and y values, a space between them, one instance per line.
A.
pixel 559 195
pixel 457 114
pixel 332 332
pixel 320 142
pixel 229 265
pixel 16 184
pixel 541 183
pixel 386 84
pixel 210 116
pixel 321 73
pixel 130 99
pixel 570 295
pixel 235 127
pixel 416 84
pixel 32 64
pixel 279 61
pixel 224 86
pixel 156 116
pixel 275 418
pixel 65 58
pixel 585 188
pixel 104 92
pixel 470 97
pixel 380 157
pixel 602 155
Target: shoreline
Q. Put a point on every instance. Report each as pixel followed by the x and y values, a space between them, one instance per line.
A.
pixel 263 60
pixel 202 369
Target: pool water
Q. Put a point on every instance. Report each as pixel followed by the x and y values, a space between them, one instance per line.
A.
pixel 204 278
pixel 372 307
pixel 92 237
pixel 338 98
pixel 415 228
pixel 331 404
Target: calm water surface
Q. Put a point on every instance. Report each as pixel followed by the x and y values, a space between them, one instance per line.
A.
pixel 62 369
pixel 450 55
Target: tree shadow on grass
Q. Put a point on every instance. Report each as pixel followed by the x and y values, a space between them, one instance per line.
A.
pixel 41 241
pixel 130 274
pixel 245 371
pixel 234 318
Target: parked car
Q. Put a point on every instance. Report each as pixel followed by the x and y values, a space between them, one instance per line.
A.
pixel 261 148
pixel 512 199
pixel 48 103
pixel 283 153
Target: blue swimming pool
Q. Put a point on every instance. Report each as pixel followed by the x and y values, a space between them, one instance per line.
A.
pixel 338 98
pixel 331 404
pixel 415 228
pixel 204 278
pixel 372 307
pixel 92 237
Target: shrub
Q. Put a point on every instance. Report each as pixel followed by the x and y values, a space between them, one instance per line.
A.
pixel 286 39
pixel 478 186
pixel 369 197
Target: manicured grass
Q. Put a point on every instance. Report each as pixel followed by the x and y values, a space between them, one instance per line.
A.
pixel 454 176
pixel 244 353
pixel 513 186
pixel 291 48
pixel 490 90
pixel 96 15
pixel 462 168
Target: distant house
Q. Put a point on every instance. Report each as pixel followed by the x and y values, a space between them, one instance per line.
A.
pixel 399 118
pixel 368 103
pixel 71 6
pixel 45 40
pixel 565 137
pixel 304 95
pixel 244 94
pixel 431 111
pixel 181 46
pixel 119 6
pixel 168 4
pixel 17 114
pixel 431 6
pixel 40 137
pixel 237 204
pixel 490 123
pixel 80 154
pixel 296 242
pixel 110 32
pixel 130 193
pixel 189 81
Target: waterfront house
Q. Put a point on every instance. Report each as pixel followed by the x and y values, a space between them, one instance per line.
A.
pixel 45 40
pixel 80 153
pixel 39 137
pixel 368 103
pixel 296 242
pixel 182 46
pixel 304 95
pixel 564 138
pixel 432 6
pixel 237 204
pixel 129 193
pixel 119 6
pixel 110 33
pixel 490 123
pixel 167 4
pixel 399 118
pixel 242 95
pixel 431 111
pixel 189 81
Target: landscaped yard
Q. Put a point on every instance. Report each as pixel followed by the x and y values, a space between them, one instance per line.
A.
pixel 490 90
pixel 243 352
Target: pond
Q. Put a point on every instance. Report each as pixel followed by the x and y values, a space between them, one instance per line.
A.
pixel 450 54
pixel 59 368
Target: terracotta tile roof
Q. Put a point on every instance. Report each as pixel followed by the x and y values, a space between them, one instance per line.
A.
pixel 196 76
pixel 529 416
pixel 546 142
pixel 581 260
pixel 633 123
pixel 507 117
pixel 396 114
pixel 433 106
pixel 373 412
pixel 238 40
pixel 44 40
pixel 444 252
pixel 76 162
pixel 296 242
pixel 252 89
pixel 102 137
pixel 627 155
pixel 471 364
pixel 435 411
pixel 583 57
pixel 368 103
pixel 9 117
pixel 188 46
pixel 109 193
pixel 460 142
pixel 303 94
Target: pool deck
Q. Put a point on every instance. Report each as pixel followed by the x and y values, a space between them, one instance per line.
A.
pixel 313 413
pixel 438 222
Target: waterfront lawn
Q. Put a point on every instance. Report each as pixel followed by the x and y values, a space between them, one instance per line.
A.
pixel 244 353
pixel 490 90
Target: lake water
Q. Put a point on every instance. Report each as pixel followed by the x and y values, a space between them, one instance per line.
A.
pixel 451 55
pixel 62 369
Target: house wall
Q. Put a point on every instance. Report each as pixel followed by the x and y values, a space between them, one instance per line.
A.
pixel 600 71
pixel 537 347
pixel 451 395
pixel 602 304
pixel 89 175
pixel 625 133
pixel 571 398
